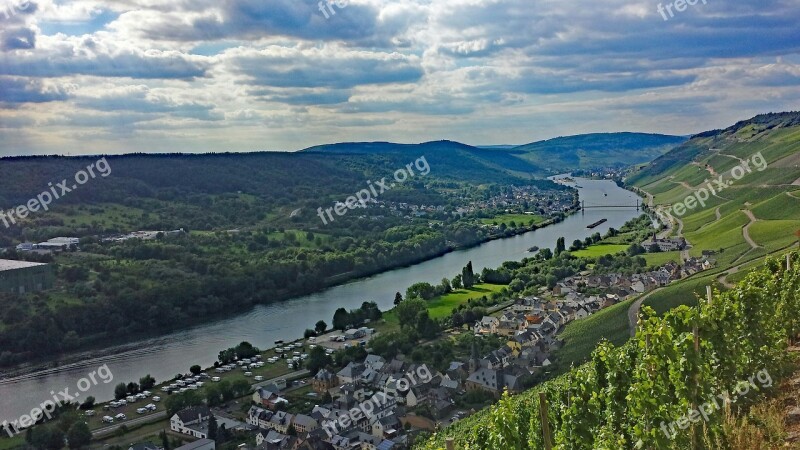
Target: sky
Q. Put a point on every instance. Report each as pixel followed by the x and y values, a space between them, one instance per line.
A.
pixel 120 76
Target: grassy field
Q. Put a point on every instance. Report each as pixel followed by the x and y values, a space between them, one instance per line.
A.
pixel 442 306
pixel 659 259
pixel 599 250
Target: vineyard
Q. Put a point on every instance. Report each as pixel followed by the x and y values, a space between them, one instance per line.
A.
pixel 675 366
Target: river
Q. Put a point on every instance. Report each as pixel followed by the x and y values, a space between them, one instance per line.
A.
pixel 165 356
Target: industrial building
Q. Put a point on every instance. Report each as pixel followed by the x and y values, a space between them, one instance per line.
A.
pixel 22 277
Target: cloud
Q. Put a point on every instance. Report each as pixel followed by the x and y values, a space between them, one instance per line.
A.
pixel 164 74
pixel 15 90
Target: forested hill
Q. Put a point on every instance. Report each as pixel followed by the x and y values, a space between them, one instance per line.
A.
pixel 557 155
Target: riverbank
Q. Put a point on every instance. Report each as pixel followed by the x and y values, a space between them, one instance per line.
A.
pixel 103 346
pixel 168 354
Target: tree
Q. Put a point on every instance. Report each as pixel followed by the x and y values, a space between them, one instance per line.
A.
pixel 317 359
pixel 120 391
pixel 79 435
pixel 654 248
pixel 398 297
pixel 291 431
pixel 46 438
pixel 635 249
pixel 468 276
pixel 408 311
pixel 164 440
pixel 147 382
pixel 320 327
pixel 133 388
pixel 456 283
pixel 88 403
pixel 560 246
pixel 422 290
pixel 341 319
pixel 212 428
pixel 195 369
pixel 546 254
pixel 308 333
pixel 446 287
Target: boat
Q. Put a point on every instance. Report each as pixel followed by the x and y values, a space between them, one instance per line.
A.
pixel 597 224
pixel 533 249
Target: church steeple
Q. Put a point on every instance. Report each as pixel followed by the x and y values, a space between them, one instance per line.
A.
pixel 474 361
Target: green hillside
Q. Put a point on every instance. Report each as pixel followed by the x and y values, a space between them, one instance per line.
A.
pixel 759 160
pixel 597 150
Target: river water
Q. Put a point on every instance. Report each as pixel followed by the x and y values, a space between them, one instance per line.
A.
pixel 167 355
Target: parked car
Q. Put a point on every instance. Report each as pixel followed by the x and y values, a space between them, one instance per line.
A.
pixel 248 374
pixel 108 419
pixel 120 416
pixel 141 410
pixel 156 398
pixel 151 407
pixel 89 413
pixel 259 378
pixel 215 379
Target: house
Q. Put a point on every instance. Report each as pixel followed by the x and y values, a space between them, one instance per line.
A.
pixel 192 421
pixel 259 417
pixel 280 421
pixel 268 398
pixel 304 424
pixel 272 440
pixel 386 427
pixel 495 381
pixel 324 380
pixel 350 373
pixel 487 325
pixel 200 444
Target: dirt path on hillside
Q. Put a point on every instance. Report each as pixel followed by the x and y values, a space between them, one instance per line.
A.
pixel 746 229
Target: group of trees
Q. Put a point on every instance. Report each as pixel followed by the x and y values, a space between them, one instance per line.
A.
pixel 123 390
pixel 67 425
pixel 343 319
pixel 241 351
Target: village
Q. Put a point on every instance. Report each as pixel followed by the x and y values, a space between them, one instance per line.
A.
pixel 375 403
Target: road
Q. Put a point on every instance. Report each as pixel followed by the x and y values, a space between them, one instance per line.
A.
pixel 295 374
pixel 149 418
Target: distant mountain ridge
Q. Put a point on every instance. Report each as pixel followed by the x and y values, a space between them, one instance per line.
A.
pixel 540 158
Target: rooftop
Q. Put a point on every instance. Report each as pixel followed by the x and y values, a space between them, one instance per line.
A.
pixel 10 264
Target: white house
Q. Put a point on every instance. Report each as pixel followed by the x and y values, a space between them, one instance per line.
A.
pixel 192 421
